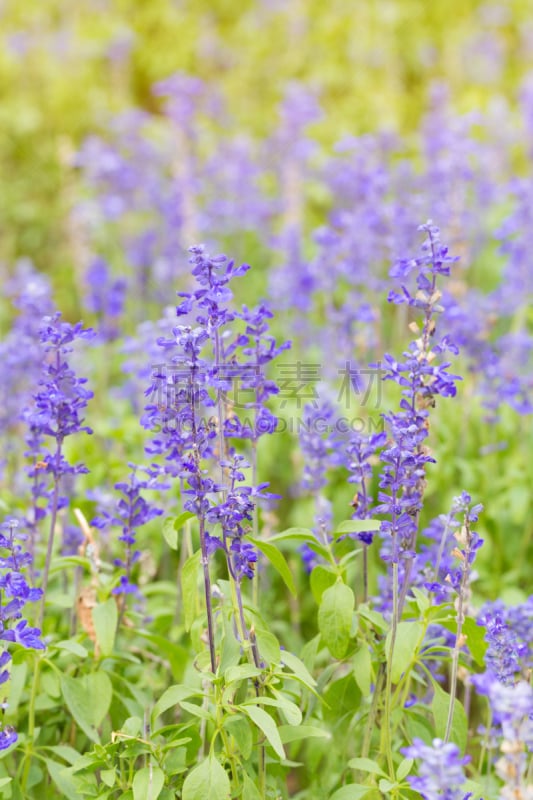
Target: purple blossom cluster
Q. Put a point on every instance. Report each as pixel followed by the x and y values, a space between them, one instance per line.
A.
pixel 423 376
pixel 361 451
pixel 19 350
pixel 512 708
pixel 15 593
pixel 54 414
pixel 131 512
pixel 195 414
pixel 321 446
pixel 105 297
pixel 507 653
pixel 154 177
pixel 435 563
pixel 468 542
pixel 441 771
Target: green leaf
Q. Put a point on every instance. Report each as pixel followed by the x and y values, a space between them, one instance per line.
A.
pixel 249 789
pixel 299 669
pixel 147 783
pixel 63 779
pixel 404 769
pixel 70 646
pixel 172 697
pixel 196 710
pixel 290 733
pixel 266 724
pixel 88 699
pixel 439 708
pixel 108 776
pixel 170 533
pixel 374 617
pixel 295 535
pixel 189 589
pixel 207 781
pixel 320 550
pixel 341 697
pixel 335 618
pixel 362 670
pixel 17 683
pixel 175 653
pixel 289 710
pixel 230 648
pixel 366 765
pixel 239 727
pixel 268 646
pixel 474 787
pixel 475 640
pixel 65 751
pixel 105 618
pixel 241 673
pixel 321 579
pixel 60 563
pixel 421 598
pixel 407 638
pixel 386 785
pixel 353 791
pixel 182 518
pixel 132 726
pixel 356 526
pixel 278 561
pixel 173 525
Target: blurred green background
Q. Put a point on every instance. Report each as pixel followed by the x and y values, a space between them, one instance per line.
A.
pixel 66 65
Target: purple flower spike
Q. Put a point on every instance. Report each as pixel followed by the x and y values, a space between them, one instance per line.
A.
pixel 441 774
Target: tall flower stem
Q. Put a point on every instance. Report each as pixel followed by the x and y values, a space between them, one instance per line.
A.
pixel 255 517
pixel 455 654
pixel 387 726
pixel 208 602
pixel 51 534
pixel 221 440
pixel 31 720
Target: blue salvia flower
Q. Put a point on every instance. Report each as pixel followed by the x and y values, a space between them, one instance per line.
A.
pixel 360 451
pixel 60 398
pixel 423 376
pixel 105 297
pixel 132 511
pixel 321 446
pixel 441 773
pixel 20 351
pixel 468 543
pixel 512 709
pixel 505 653
pixel 55 414
pixel 247 358
pixel 15 593
pixel 520 619
pixel 235 515
pixel 191 410
pixel 509 640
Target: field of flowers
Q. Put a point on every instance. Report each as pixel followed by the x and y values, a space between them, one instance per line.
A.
pixel 267 509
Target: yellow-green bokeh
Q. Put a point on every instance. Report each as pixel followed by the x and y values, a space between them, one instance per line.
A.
pixel 371 61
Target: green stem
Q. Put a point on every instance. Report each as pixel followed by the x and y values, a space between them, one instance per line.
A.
pixel 31 722
pixel 372 713
pixel 387 726
pixel 50 545
pixel 455 666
